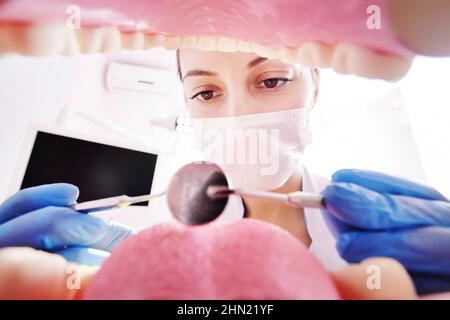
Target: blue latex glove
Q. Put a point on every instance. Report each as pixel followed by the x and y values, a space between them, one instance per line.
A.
pixel 38 217
pixel 374 214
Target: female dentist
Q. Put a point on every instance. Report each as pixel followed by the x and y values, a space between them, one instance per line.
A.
pixel 370 214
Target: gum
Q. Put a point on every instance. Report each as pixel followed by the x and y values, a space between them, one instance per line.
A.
pixel 310 31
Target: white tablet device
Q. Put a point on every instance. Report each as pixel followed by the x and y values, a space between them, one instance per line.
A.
pixel 99 169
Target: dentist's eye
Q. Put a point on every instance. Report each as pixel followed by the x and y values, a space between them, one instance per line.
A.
pixel 204 95
pixel 273 82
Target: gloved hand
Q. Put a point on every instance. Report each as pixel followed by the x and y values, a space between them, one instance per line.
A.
pixel 38 217
pixel 373 214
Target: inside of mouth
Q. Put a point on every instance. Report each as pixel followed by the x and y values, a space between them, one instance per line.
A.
pixel 283 31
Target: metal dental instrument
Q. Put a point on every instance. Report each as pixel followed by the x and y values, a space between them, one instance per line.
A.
pixel 113 202
pixel 296 199
pixel 198 193
pixel 186 195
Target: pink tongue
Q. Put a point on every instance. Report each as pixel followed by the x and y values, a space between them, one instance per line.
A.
pixel 246 259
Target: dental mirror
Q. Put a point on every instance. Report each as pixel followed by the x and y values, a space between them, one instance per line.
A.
pixel 187 196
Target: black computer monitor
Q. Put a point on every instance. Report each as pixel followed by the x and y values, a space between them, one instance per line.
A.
pixel 98 170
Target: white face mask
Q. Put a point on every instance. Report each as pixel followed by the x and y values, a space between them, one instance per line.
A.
pixel 256 151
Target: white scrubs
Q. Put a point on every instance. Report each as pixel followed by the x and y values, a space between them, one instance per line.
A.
pixel 323 244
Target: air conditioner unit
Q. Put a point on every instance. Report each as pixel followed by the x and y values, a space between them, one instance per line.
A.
pixel 129 77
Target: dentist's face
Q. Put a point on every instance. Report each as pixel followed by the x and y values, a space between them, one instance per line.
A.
pixel 219 84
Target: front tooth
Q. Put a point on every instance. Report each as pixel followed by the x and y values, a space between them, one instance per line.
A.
pixel 72 46
pixel 244 46
pixel 263 51
pixel 90 39
pixel 227 44
pixel 315 54
pixel 339 60
pixel 132 40
pixel 45 39
pixel 172 42
pixel 367 63
pixel 188 42
pixel 111 40
pixel 207 43
pixel 272 53
pixel 256 48
pixel 152 40
pixel 287 55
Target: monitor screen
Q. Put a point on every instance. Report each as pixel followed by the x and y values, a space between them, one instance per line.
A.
pixel 98 170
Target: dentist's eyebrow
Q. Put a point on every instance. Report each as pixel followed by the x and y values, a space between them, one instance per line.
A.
pixel 200 73
pixel 255 62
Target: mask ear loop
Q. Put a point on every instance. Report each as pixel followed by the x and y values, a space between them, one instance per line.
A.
pixel 314 77
pixel 315 74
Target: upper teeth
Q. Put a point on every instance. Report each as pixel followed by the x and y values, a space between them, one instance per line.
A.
pixel 50 39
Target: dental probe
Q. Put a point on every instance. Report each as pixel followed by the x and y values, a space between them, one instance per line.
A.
pixel 113 202
pixel 296 199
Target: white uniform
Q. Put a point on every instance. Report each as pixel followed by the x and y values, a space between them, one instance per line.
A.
pixel 323 244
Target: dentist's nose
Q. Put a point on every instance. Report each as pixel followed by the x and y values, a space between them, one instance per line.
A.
pixel 238 103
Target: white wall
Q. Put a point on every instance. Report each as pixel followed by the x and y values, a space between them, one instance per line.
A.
pixel 427 98
pixel 51 92
pixel 400 128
